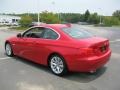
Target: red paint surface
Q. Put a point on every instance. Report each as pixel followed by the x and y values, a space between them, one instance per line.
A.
pixel 81 55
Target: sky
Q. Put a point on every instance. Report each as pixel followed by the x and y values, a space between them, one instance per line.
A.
pixel 102 7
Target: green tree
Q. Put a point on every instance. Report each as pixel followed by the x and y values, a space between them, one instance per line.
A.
pixel 25 21
pixel 93 18
pixel 70 17
pixel 82 18
pixel 86 15
pixel 117 14
pixel 49 17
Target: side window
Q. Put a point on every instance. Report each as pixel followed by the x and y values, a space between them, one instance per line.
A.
pixel 36 32
pixel 50 34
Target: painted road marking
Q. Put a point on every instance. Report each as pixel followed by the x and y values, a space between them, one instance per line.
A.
pixel 5 58
pixel 117 40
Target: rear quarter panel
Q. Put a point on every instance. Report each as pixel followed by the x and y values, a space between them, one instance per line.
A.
pixel 67 50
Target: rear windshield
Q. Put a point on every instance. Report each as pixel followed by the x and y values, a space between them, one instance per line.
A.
pixel 77 33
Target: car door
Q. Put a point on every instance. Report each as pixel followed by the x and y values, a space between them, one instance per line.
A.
pixel 38 44
pixel 47 44
pixel 35 44
pixel 28 46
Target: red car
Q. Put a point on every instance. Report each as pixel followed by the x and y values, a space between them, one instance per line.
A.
pixel 61 47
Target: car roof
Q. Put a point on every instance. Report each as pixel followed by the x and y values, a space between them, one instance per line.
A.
pixel 53 25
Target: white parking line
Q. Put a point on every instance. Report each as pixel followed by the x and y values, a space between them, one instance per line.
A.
pixel 5 58
pixel 117 40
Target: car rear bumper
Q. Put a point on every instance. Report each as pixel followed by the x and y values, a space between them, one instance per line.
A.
pixel 91 64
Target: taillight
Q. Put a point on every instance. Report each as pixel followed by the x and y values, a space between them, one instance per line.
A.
pixel 86 52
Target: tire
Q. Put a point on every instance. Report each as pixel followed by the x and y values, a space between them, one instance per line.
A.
pixel 57 65
pixel 8 50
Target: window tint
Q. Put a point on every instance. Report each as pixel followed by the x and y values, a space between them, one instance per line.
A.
pixel 50 34
pixel 36 32
pixel 77 33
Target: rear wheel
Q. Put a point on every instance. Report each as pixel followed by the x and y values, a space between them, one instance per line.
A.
pixel 57 65
pixel 8 49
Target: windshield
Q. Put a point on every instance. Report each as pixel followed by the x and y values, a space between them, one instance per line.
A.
pixel 77 33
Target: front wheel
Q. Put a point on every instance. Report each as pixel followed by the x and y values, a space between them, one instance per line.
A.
pixel 8 49
pixel 58 65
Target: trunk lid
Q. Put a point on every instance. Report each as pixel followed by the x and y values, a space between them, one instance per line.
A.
pixel 99 45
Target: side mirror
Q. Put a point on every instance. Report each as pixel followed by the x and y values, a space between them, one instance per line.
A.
pixel 19 35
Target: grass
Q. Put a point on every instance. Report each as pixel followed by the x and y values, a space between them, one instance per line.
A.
pixel 19 28
pixel 2 25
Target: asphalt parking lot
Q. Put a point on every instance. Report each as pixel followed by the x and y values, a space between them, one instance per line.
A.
pixel 19 74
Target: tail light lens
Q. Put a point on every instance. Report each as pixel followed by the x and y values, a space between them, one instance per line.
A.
pixel 96 49
pixel 87 52
pixel 107 43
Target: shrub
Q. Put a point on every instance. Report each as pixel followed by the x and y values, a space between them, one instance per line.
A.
pixel 109 21
pixel 49 17
pixel 25 21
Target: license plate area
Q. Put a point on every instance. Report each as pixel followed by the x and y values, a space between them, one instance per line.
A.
pixel 103 48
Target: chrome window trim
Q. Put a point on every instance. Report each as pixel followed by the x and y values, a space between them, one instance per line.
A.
pixel 44 27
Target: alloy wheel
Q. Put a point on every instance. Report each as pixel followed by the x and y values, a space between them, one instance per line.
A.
pixel 8 49
pixel 57 65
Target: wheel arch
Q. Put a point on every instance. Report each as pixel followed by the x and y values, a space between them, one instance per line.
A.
pixel 56 53
pixel 6 42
